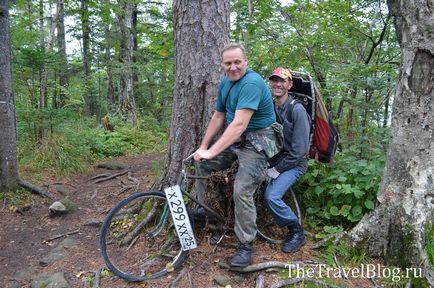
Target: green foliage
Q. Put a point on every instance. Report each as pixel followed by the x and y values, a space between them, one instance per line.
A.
pixel 342 193
pixel 72 143
pixel 126 139
pixel 346 254
pixel 15 198
pixel 429 239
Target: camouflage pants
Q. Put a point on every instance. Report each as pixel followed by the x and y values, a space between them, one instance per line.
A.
pixel 251 173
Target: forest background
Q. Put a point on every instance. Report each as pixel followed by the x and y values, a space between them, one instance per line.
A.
pixel 75 62
pixel 94 80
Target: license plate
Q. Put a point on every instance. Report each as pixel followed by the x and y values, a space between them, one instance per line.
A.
pixel 180 218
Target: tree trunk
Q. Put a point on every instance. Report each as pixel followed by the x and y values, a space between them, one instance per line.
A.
pixel 108 60
pixel 201 30
pixel 61 45
pixel 8 141
pixel 397 228
pixel 85 26
pixel 127 104
pixel 42 72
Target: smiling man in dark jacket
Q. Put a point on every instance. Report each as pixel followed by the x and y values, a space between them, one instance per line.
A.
pixel 291 163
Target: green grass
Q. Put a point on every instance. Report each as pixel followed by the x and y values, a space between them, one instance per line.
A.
pixel 72 146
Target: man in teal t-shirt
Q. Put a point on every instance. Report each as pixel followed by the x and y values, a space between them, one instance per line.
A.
pixel 249 92
pixel 245 104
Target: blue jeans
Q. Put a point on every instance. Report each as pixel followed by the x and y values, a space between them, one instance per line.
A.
pixel 276 189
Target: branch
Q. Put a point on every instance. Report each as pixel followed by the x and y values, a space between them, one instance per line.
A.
pixel 376 43
pixel 62 235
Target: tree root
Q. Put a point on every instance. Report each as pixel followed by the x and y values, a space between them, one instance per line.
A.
pixel 106 178
pixel 267 265
pixel 35 189
pixel 292 281
pixel 337 237
pixel 175 281
pixel 260 282
pixel 127 240
pixel 97 278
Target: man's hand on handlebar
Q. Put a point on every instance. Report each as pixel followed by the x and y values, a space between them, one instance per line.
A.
pixel 203 154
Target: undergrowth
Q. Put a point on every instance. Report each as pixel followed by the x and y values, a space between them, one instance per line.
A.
pixel 71 144
pixel 336 197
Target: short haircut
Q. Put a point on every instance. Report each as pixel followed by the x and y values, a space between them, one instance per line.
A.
pixel 232 46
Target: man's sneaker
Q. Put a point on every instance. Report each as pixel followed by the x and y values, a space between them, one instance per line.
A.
pixel 243 256
pixel 295 238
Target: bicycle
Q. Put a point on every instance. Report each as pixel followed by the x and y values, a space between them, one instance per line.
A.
pixel 138 240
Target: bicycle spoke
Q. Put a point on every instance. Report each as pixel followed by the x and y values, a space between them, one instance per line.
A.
pixel 139 243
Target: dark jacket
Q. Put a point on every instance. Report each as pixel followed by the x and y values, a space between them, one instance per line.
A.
pixel 296 137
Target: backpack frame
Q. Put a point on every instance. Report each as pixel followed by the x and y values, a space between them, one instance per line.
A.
pixel 304 91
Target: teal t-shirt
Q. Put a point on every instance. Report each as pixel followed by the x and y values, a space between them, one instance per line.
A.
pixel 250 92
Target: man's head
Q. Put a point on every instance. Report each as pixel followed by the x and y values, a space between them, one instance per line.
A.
pixel 280 82
pixel 234 61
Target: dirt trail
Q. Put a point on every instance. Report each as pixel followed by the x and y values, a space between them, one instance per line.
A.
pixel 25 238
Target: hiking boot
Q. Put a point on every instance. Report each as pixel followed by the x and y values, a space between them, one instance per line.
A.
pixel 295 238
pixel 243 256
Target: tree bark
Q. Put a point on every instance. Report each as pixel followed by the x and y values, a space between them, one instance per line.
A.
pixel 61 45
pixel 85 26
pixel 397 228
pixel 201 30
pixel 108 60
pixel 8 141
pixel 127 104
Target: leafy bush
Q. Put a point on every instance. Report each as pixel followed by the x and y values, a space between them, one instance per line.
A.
pixel 343 193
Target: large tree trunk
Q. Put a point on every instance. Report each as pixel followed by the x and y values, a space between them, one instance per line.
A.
pixel 201 30
pixel 8 141
pixel 397 228
pixel 127 104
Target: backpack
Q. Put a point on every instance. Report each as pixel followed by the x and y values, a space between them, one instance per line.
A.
pixel 324 135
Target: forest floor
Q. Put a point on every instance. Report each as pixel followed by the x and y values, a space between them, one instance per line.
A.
pixel 28 234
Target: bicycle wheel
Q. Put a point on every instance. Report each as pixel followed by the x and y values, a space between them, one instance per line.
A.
pixel 138 240
pixel 267 227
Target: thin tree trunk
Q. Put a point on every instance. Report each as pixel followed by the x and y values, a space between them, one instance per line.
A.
pixel 127 104
pixel 61 45
pixel 201 30
pixel 8 141
pixel 397 228
pixel 108 58
pixel 85 26
pixel 42 72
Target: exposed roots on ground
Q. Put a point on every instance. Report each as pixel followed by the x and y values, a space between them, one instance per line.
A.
pixel 335 237
pixel 109 177
pixel 293 281
pixel 35 189
pixel 133 234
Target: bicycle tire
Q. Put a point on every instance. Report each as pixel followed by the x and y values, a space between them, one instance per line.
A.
pixel 143 256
